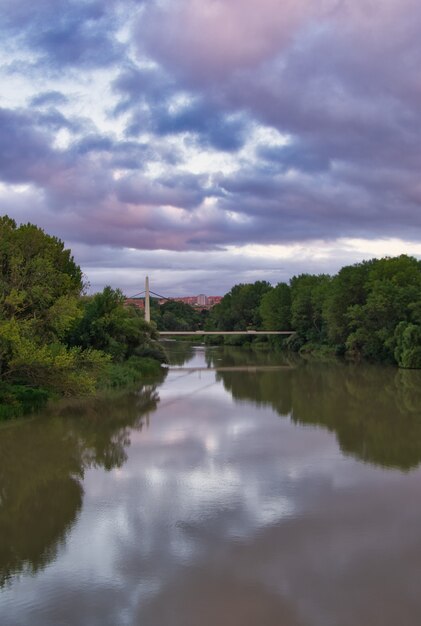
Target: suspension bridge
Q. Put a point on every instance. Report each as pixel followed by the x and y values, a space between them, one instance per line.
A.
pixel 147 295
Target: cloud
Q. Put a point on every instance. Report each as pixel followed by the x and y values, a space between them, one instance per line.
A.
pixel 49 98
pixel 26 154
pixel 189 126
pixel 158 105
pixel 327 77
pixel 186 192
pixel 64 33
pixel 212 40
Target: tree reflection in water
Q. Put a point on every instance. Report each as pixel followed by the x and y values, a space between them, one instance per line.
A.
pixel 179 351
pixel 42 463
pixel 374 411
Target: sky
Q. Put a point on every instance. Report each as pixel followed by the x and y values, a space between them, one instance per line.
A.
pixel 211 142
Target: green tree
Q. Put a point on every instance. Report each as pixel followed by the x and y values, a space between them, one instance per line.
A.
pixel 118 330
pixel 39 289
pixel 348 288
pixel 39 279
pixel 275 308
pixel 240 308
pixel 393 289
pixel 408 345
pixel 178 316
pixel 308 295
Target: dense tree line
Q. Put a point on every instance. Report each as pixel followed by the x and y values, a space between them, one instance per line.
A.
pixel 369 310
pixel 177 316
pixel 240 309
pixel 53 339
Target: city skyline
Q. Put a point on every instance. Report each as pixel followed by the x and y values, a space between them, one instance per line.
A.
pixel 201 300
pixel 212 143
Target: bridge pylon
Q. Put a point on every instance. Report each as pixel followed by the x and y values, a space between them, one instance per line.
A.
pixel 147 301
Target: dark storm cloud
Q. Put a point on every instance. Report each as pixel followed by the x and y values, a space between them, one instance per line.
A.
pixel 64 33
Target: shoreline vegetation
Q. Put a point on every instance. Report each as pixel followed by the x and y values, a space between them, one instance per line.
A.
pixel 56 341
pixel 368 311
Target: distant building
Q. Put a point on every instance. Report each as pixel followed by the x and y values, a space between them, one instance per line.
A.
pixel 191 300
pixel 201 301
pixel 212 300
pixel 137 302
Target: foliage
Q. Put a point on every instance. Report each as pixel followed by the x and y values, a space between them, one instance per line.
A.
pixel 308 293
pixel 108 325
pixel 16 400
pixel 40 285
pixel 36 273
pixel 275 308
pixel 177 316
pixel 129 373
pixel 408 345
pixel 347 288
pixel 240 308
pixel 49 365
pixel 393 287
pixel 369 310
pixel 53 340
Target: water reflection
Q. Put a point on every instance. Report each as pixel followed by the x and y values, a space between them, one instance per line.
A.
pixel 179 351
pixel 229 356
pixel 374 411
pixel 219 512
pixel 42 464
pixel 41 494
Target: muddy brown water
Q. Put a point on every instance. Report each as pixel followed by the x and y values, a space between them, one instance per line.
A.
pixel 242 489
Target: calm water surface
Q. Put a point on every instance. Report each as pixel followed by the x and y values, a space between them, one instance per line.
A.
pixel 242 489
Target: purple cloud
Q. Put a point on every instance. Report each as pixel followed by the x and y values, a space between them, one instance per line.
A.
pixel 64 33
pixel 191 125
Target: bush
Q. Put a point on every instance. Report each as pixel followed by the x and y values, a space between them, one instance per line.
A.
pixel 18 400
pixel 129 373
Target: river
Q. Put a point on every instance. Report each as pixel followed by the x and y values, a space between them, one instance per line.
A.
pixel 242 489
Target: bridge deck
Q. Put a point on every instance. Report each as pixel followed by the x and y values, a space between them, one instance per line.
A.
pixel 239 368
pixel 230 332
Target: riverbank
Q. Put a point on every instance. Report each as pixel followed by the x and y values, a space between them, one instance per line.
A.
pixel 20 400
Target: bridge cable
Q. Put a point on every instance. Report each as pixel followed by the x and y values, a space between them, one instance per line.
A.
pixel 136 294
